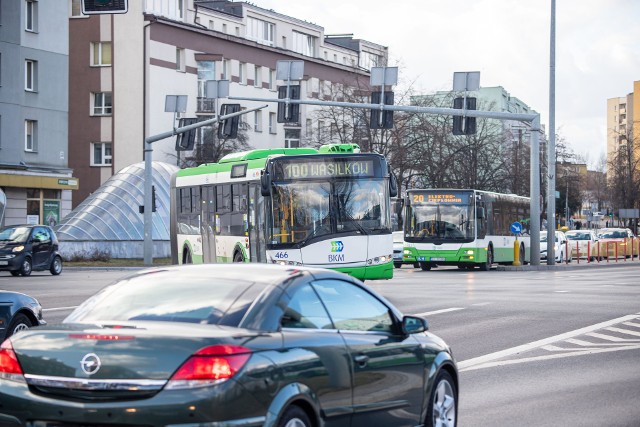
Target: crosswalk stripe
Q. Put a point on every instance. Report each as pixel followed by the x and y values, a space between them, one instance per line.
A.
pixel 623 331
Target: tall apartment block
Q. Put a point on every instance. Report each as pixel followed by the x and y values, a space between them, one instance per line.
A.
pixel 36 183
pixel 623 121
pixel 122 67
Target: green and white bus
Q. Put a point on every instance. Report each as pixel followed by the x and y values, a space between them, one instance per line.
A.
pixel 465 228
pixel 296 206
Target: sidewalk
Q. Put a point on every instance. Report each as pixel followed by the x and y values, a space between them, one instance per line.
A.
pixel 573 265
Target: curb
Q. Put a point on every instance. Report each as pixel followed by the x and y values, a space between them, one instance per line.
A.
pixel 571 266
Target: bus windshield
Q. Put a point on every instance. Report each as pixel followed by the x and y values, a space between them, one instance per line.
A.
pixel 432 221
pixel 303 211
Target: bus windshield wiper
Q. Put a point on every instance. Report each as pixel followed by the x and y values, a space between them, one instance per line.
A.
pixel 355 222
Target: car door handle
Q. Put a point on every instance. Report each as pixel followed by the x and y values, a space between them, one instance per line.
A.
pixel 361 360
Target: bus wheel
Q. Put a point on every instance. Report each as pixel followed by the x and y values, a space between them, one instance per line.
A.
pixel 237 257
pixel 425 266
pixel 522 254
pixel 486 266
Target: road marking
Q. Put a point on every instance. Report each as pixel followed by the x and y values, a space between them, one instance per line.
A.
pixel 635 325
pixel 607 337
pixel 623 331
pixel 59 309
pixel 547 357
pixel 480 304
pixel 431 313
pixel 487 358
pixel 602 344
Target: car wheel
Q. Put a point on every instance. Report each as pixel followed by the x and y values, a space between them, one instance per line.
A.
pixel 425 266
pixel 486 266
pixel 442 409
pixel 56 266
pixel 19 323
pixel 416 265
pixel 26 267
pixel 397 264
pixel 238 257
pixel 294 416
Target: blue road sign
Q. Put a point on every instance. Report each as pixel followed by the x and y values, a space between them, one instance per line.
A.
pixel 516 228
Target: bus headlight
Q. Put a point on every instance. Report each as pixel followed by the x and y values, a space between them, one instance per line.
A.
pixel 469 252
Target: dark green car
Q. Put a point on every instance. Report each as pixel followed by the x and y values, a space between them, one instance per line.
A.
pixel 230 345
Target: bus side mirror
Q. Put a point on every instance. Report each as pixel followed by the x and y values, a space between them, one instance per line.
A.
pixel 265 184
pixel 480 213
pixel 393 185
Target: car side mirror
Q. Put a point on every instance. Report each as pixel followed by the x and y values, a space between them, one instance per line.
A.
pixel 414 325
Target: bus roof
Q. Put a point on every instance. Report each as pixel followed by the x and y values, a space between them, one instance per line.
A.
pixel 256 158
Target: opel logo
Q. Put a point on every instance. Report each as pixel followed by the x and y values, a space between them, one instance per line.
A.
pixel 90 363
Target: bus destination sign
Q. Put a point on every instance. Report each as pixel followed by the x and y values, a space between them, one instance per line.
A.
pixel 440 198
pixel 334 168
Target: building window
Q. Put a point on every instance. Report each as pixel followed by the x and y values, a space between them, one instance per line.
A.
pixel 369 60
pixel 303 43
pixel 30 135
pixel 180 60
pixel 272 123
pixel 257 121
pixel 224 28
pixel 206 71
pixel 30 75
pixel 76 8
pixel 257 77
pixel 102 104
pixel 260 31
pixel 291 138
pixel 101 154
pixel 210 24
pixel 31 16
pixel 272 79
pixel 242 73
pixel 225 69
pixel 100 54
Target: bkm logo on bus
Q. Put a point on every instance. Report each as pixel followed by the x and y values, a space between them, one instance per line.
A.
pixel 336 246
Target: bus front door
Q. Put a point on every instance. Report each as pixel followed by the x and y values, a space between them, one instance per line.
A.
pixel 208 225
pixel 256 225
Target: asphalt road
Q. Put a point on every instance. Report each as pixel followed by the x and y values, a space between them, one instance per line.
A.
pixel 534 348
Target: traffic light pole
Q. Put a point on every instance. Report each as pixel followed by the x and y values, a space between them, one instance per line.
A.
pixel 148 174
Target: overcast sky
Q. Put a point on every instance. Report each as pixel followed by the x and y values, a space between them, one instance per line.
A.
pixel 597 49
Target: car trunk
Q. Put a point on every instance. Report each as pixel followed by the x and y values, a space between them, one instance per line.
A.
pixel 113 363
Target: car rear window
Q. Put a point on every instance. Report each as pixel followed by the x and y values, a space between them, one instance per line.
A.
pixel 170 297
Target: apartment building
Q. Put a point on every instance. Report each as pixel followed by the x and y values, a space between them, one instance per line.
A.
pixel 36 183
pixel 623 121
pixel 123 66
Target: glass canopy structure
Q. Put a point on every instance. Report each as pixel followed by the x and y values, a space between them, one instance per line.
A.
pixel 112 212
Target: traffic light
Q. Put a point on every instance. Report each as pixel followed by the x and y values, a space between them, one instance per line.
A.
pixel 464 125
pixel 186 140
pixel 228 128
pixel 291 114
pixel 387 116
pixel 98 7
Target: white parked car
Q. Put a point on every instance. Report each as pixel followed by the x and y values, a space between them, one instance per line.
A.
pixel 583 244
pixel 560 248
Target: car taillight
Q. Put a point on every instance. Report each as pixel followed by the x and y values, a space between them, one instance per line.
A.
pixel 10 368
pixel 209 366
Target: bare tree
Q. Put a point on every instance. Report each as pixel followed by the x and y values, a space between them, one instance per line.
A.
pixel 623 173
